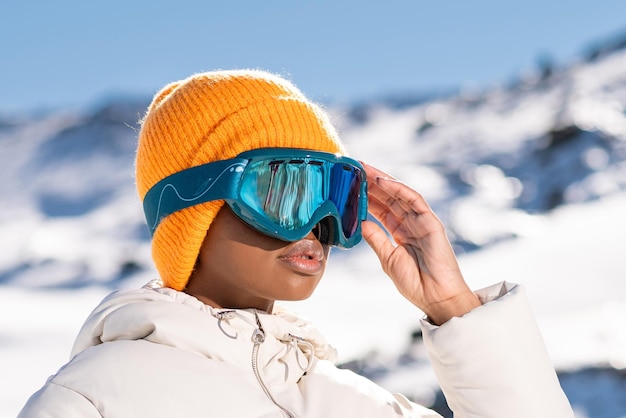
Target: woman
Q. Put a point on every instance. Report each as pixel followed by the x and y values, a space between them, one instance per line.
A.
pixel 246 186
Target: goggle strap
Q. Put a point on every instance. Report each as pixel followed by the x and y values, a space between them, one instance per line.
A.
pixel 214 181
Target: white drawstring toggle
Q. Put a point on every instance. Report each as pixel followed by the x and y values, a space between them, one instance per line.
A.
pixel 226 316
pixel 303 346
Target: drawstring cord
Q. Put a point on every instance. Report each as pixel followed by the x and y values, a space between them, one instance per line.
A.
pixel 226 316
pixel 302 346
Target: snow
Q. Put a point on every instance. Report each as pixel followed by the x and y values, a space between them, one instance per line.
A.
pixel 572 266
pixel 582 262
pixel 530 181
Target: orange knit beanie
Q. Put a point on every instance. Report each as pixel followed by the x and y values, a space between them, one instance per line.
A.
pixel 215 116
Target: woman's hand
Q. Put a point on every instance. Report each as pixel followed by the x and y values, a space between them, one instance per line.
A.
pixel 422 264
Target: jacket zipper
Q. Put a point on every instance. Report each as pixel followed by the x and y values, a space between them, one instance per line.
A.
pixel 258 337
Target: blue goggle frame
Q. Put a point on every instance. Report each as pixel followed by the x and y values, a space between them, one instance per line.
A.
pixel 310 186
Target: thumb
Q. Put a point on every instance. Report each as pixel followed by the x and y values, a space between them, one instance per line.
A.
pixel 377 238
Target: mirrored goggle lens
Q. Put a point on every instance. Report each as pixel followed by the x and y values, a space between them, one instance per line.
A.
pixel 289 191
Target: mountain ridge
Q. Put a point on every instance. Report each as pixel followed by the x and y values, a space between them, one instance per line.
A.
pixel 488 163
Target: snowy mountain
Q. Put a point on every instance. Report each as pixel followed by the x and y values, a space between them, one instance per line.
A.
pixel 529 178
pixel 71 215
pixel 487 161
pixel 505 153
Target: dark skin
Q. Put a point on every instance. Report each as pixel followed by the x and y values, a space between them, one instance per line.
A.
pixel 420 260
pixel 239 267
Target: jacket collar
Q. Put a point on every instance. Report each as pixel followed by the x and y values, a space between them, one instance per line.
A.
pixel 172 318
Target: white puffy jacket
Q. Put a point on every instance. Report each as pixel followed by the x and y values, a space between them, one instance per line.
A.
pixel 162 353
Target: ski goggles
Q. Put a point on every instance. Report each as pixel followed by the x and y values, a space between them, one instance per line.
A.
pixel 280 192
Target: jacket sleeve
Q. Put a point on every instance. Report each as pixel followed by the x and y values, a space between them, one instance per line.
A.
pixel 55 401
pixel 492 362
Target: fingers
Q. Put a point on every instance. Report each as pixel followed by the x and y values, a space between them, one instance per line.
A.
pixel 422 265
pixel 402 210
pixel 388 188
pixel 394 193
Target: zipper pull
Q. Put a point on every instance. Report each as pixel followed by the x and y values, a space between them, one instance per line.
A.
pixel 258 336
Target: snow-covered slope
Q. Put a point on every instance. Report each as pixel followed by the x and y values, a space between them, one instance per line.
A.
pixel 530 180
pixel 486 161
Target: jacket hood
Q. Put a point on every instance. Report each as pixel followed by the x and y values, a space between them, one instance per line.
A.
pixel 172 318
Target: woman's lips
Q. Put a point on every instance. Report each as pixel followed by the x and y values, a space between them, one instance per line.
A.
pixel 304 256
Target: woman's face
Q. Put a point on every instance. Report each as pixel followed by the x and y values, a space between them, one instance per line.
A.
pixel 239 267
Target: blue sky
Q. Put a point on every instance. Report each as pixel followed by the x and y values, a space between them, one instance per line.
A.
pixel 74 53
